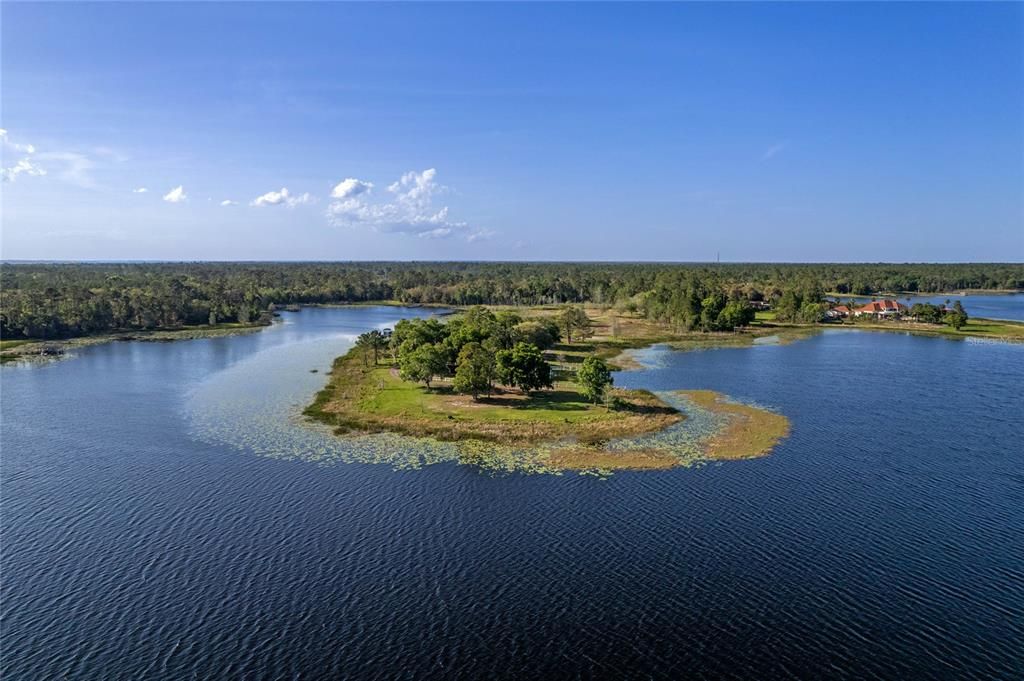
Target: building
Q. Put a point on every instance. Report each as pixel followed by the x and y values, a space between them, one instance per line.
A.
pixel 881 308
pixel 838 312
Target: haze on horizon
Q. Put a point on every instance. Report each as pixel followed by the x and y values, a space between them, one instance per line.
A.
pixel 656 132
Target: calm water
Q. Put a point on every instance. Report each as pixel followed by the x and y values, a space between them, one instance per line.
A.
pixel 166 515
pixel 1010 306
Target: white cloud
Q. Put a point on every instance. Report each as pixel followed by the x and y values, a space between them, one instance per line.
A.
pixel 75 168
pixel 774 149
pixel 23 148
pixel 350 187
pixel 412 210
pixel 69 166
pixel 438 233
pixel 176 195
pixel 140 190
pixel 24 166
pixel 228 202
pixel 283 197
pixel 480 235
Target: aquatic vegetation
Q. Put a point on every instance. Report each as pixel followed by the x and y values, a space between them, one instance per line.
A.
pixel 257 406
pixel 361 399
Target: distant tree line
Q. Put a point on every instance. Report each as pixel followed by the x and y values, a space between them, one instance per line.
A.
pixel 67 300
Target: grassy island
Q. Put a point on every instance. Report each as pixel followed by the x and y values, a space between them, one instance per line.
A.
pixel 381 386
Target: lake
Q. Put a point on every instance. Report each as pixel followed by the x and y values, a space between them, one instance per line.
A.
pixel 167 514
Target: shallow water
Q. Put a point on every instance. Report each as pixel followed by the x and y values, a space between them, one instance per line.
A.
pixel 165 515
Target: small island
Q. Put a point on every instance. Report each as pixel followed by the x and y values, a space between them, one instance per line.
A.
pixel 532 378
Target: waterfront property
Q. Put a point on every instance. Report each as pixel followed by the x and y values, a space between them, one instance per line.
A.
pixel 881 308
pixel 838 312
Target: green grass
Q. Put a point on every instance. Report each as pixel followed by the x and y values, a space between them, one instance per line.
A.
pixel 9 344
pixel 373 399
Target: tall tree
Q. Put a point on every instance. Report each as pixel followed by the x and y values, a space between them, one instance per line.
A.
pixel 523 367
pixel 423 363
pixel 475 370
pixel 594 378
pixel 574 322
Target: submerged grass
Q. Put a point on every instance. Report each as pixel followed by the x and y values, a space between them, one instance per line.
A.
pixel 549 432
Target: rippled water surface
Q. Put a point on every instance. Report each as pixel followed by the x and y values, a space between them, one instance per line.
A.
pixel 166 514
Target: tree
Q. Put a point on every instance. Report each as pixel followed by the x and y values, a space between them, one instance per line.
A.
pixel 735 313
pixel 423 363
pixel 957 317
pixel 594 378
pixel 926 312
pixel 474 372
pixel 574 320
pixel 375 341
pixel 812 313
pixel 363 344
pixel 710 309
pixel 523 367
pixel 544 334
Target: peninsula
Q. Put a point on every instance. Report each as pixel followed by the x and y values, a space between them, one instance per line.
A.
pixel 538 378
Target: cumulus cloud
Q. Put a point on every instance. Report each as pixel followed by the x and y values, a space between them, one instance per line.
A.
pixel 140 190
pixel 411 211
pixel 228 202
pixel 283 197
pixel 350 187
pixel 176 195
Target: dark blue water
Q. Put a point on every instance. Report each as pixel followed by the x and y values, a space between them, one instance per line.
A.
pixel 1009 306
pixel 883 539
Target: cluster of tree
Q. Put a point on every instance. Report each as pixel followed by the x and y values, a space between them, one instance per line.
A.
pixel 954 316
pixel 803 304
pixel 375 343
pixel 691 303
pixel 63 300
pixel 478 349
pixel 481 349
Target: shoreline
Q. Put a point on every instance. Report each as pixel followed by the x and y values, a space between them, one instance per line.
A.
pixel 615 350
pixel 36 350
pixel 558 429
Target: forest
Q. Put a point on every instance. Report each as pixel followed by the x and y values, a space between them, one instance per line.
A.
pixel 66 300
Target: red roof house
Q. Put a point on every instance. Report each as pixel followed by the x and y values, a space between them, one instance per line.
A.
pixel 882 308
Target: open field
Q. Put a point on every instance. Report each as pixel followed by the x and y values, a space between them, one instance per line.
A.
pixel 368 399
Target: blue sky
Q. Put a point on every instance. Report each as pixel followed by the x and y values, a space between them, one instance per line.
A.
pixel 768 132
